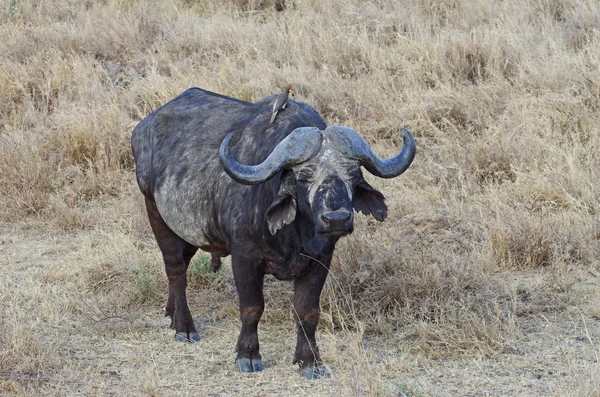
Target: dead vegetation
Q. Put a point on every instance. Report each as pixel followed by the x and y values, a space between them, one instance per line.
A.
pixel 496 222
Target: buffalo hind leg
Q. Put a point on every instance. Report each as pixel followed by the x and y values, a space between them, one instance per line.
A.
pixel 307 293
pixel 177 254
pixel 249 283
pixel 188 254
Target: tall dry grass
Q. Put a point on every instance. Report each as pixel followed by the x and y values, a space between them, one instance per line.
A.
pixel 502 97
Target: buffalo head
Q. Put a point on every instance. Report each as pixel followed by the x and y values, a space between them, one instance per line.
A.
pixel 321 181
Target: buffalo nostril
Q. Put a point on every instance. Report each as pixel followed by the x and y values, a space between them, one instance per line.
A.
pixel 345 215
pixel 336 219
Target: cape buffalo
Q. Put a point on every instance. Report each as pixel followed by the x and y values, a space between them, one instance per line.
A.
pixel 217 176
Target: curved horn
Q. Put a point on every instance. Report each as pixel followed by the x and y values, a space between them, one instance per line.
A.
pixel 390 168
pixel 300 145
pixel 358 148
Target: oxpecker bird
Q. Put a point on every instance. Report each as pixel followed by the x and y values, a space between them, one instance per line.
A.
pixel 281 102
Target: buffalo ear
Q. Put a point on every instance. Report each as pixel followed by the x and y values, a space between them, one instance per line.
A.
pixel 282 212
pixel 369 201
pixel 283 209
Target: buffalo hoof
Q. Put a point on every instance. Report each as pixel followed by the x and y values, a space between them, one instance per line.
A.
pixel 191 337
pixel 314 372
pixel 248 365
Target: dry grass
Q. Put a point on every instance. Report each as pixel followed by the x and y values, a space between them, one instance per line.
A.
pixel 496 223
pixel 23 351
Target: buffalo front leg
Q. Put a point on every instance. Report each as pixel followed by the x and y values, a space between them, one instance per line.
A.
pixel 307 294
pixel 249 283
pixel 176 256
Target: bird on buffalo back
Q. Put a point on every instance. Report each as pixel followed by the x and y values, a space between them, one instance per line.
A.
pixel 281 102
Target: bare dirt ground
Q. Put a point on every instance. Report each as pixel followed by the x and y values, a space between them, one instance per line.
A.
pixel 89 348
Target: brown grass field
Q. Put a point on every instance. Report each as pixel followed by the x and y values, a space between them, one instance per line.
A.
pixel 483 281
